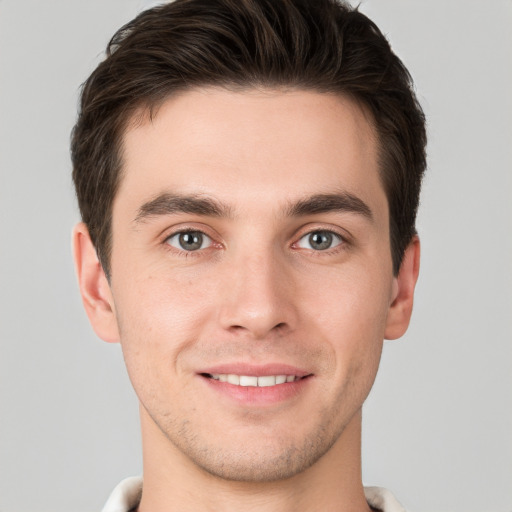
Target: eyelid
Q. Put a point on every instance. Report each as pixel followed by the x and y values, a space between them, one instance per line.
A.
pixel 313 227
pixel 186 227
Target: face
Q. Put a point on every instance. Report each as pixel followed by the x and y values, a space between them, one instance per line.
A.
pixel 252 281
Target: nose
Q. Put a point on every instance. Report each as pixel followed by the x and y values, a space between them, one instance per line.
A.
pixel 258 297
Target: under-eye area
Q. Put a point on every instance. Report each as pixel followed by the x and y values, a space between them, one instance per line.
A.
pixel 253 381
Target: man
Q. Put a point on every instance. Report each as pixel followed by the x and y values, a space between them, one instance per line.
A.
pixel 248 175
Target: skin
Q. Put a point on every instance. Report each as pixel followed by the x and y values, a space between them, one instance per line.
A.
pixel 257 291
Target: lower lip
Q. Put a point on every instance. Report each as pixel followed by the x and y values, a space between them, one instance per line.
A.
pixel 254 395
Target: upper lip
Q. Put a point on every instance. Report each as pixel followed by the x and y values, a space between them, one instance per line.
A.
pixel 255 370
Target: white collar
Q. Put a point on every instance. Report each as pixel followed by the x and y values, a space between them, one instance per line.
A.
pixel 126 496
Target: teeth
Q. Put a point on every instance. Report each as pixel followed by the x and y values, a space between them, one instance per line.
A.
pixel 267 380
pixel 249 380
pixel 234 379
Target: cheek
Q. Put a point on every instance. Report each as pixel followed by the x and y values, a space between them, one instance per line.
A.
pixel 173 302
pixel 158 319
pixel 350 316
pixel 351 303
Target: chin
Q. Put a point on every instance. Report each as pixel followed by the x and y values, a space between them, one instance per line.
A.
pixel 275 460
pixel 257 468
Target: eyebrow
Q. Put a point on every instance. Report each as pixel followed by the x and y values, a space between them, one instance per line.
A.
pixel 323 203
pixel 168 204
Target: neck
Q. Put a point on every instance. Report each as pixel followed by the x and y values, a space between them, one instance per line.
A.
pixel 171 478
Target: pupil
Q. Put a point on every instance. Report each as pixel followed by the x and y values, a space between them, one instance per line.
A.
pixel 191 241
pixel 320 240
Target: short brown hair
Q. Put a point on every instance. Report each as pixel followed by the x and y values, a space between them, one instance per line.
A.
pixel 320 45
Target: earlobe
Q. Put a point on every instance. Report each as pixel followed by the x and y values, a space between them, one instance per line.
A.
pixel 94 287
pixel 400 309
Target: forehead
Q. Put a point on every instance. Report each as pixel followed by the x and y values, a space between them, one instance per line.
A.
pixel 254 146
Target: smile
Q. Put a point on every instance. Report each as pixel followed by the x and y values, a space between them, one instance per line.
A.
pixel 250 380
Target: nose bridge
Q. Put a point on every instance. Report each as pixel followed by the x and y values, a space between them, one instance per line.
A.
pixel 258 298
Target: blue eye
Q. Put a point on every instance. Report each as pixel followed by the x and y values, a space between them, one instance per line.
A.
pixel 320 240
pixel 189 240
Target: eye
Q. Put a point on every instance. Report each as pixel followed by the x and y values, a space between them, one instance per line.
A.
pixel 189 240
pixel 320 240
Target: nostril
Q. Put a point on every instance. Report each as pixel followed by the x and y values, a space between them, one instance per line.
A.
pixel 260 331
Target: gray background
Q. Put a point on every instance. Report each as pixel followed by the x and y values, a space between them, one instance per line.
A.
pixel 439 420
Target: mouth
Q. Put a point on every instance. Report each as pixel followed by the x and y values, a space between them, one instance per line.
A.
pixel 253 385
pixel 261 381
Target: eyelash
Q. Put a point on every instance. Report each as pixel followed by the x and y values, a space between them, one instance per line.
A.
pixel 342 245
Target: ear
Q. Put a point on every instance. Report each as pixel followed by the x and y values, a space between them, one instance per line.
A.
pixel 400 309
pixel 94 287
